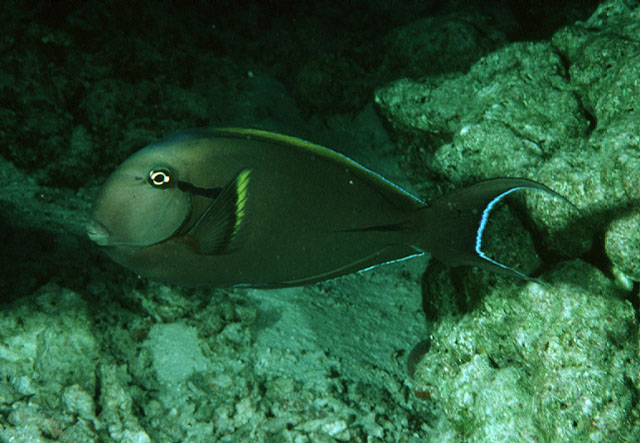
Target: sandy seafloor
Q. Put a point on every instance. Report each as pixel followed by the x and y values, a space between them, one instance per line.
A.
pixel 433 95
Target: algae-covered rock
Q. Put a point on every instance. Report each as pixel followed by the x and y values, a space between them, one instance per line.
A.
pixel 511 114
pixel 552 361
pixel 513 109
pixel 449 42
pixel 95 353
pixel 622 244
pixel 117 407
pixel 48 367
pixel 538 362
pixel 604 54
pixel 563 113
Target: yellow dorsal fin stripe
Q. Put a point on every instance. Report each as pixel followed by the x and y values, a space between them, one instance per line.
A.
pixel 290 141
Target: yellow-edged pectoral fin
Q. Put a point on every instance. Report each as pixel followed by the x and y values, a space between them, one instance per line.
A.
pixel 219 228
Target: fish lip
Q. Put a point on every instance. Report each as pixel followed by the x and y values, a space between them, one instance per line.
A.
pixel 98 233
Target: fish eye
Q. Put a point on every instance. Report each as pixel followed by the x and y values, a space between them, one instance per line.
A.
pixel 159 177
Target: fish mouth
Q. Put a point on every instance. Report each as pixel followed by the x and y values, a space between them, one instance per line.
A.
pixel 97 233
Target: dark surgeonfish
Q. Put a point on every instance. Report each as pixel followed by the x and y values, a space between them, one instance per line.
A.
pixel 243 207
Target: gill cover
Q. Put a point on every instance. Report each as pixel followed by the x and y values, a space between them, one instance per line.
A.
pixel 141 205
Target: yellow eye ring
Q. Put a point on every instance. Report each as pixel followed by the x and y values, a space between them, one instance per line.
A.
pixel 159 177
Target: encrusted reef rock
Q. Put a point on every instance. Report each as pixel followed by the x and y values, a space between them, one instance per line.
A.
pixel 604 67
pixel 48 368
pixel 563 112
pixel 555 359
pixel 90 352
pixel 549 361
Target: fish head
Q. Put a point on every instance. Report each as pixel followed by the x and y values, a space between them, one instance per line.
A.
pixel 140 204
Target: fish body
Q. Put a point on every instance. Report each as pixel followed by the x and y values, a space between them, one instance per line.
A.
pixel 241 207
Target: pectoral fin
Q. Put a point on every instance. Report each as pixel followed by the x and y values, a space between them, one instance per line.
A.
pixel 219 228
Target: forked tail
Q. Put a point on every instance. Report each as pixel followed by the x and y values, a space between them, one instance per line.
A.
pixel 456 222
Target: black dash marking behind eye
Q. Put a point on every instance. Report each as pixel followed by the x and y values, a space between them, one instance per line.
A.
pixel 204 192
pixel 159 177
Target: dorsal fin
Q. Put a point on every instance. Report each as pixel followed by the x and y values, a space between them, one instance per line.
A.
pixel 219 228
pixel 388 189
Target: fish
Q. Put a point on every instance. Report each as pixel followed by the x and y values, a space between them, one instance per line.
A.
pixel 250 208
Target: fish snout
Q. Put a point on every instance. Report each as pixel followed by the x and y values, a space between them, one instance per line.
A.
pixel 97 233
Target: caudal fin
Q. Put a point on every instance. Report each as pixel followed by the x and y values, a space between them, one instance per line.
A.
pixel 456 222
